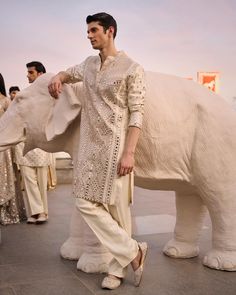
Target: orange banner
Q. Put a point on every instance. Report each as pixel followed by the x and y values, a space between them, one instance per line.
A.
pixel 210 80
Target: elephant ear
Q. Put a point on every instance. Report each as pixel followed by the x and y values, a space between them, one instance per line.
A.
pixel 50 124
pixel 66 108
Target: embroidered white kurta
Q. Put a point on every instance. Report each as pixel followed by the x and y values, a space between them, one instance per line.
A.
pixel 113 100
pixel 34 158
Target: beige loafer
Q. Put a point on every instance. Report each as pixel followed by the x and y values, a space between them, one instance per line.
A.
pixel 31 220
pixel 41 219
pixel 111 283
pixel 139 271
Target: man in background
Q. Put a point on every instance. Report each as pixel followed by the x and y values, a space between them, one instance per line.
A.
pixel 35 69
pixel 13 91
pixel 34 167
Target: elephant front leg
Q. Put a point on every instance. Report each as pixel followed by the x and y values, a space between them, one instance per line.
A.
pixel 73 247
pixel 190 213
pixel 95 258
pixel 83 245
pixel 222 210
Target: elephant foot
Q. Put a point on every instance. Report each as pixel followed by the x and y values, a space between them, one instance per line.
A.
pixel 221 260
pixel 72 249
pixel 178 249
pixel 94 263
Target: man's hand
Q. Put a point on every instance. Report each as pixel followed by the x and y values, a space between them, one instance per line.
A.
pixel 55 86
pixel 126 164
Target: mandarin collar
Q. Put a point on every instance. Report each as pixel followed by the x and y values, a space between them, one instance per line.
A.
pixel 111 58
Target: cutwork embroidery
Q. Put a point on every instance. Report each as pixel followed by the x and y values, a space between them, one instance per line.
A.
pixel 112 96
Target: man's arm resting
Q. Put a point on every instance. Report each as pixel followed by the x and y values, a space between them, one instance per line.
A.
pixel 126 163
pixel 55 85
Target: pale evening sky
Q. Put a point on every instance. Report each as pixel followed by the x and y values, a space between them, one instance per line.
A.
pixel 178 37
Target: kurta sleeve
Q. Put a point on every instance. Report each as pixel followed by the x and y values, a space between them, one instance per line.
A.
pixel 136 94
pixel 76 73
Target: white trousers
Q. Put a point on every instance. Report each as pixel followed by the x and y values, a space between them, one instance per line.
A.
pixel 35 183
pixel 52 174
pixel 112 226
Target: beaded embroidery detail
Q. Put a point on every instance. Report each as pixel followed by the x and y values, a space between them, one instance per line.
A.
pixel 113 100
pixel 8 205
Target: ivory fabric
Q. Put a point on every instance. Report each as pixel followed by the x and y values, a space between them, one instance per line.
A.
pixel 52 174
pixel 113 100
pixel 35 182
pixel 34 170
pixel 111 225
pixel 34 158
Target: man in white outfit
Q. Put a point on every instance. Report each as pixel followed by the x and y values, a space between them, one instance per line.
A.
pixel 111 118
pixel 34 167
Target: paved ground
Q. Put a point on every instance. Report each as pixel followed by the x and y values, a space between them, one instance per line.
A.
pixel 30 263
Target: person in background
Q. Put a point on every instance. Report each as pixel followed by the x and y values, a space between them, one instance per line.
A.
pixel 34 70
pixel 34 167
pixel 13 91
pixel 9 212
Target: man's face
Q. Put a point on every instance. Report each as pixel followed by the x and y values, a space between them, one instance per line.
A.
pixel 97 36
pixel 13 94
pixel 32 74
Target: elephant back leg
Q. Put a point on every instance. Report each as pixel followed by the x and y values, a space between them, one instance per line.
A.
pixel 190 213
pixel 222 210
pixel 73 247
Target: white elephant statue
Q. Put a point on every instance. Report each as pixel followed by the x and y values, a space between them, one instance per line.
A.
pixel 187 145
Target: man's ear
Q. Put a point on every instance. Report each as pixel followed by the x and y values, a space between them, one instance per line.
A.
pixel 111 31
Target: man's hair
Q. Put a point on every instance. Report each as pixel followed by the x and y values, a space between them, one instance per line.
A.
pixel 104 19
pixel 39 67
pixel 14 88
pixel 2 85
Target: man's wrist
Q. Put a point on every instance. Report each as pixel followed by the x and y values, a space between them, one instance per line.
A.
pixel 63 77
pixel 129 152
